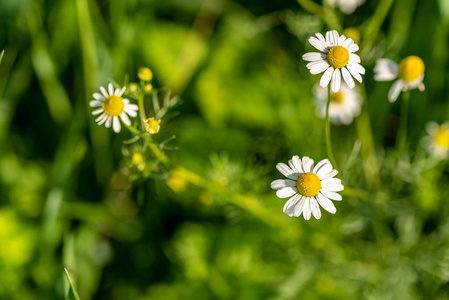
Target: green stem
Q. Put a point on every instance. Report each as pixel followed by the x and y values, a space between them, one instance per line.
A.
pixel 141 109
pixel 365 135
pixel 402 134
pixel 330 153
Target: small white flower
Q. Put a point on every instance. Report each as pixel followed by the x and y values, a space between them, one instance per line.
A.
pixel 111 106
pixel 345 105
pixel 346 6
pixel 308 186
pixel 437 142
pixel 337 60
pixel 410 72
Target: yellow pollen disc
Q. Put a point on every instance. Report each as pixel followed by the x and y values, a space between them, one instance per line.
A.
pixel 113 105
pixel 308 184
pixel 337 98
pixel 442 137
pixel 338 57
pixel 152 126
pixel 410 68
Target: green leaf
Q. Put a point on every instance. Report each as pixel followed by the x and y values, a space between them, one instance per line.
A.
pixel 72 294
pixel 1 56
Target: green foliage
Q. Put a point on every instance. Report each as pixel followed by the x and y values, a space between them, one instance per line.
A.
pixel 188 213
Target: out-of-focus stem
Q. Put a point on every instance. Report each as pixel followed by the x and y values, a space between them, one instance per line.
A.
pixel 402 134
pixel 330 153
pixel 365 133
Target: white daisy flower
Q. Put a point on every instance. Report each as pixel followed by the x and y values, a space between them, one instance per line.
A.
pixel 410 72
pixel 337 60
pixel 308 186
pixel 111 106
pixel 346 6
pixel 345 105
pixel 437 142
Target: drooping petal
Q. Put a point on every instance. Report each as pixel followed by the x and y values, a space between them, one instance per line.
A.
pixel 108 122
pixel 336 81
pixel 116 124
pixel 315 208
pixel 326 203
pixel 385 70
pixel 125 119
pixel 300 206
pixel 395 90
pixel 326 77
pixel 348 78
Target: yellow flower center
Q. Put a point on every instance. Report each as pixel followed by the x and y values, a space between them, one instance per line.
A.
pixel 152 126
pixel 113 105
pixel 442 137
pixel 145 74
pixel 308 184
pixel 337 98
pixel 410 68
pixel 352 33
pixel 338 57
pixel 137 158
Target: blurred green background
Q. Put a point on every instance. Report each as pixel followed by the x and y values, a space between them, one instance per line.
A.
pixel 219 231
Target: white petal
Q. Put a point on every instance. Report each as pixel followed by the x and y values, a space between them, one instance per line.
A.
pixel 348 78
pixel 290 205
pixel 395 90
pixel 355 58
pixel 329 175
pixel 282 183
pixel 104 92
pixel 116 124
pixel 126 101
pixel 97 111
pixel 98 96
pixel 336 81
pixel 108 122
pixel 315 208
pixel 320 164
pixel 319 68
pixel 125 118
pixel 331 195
pixel 353 47
pixel 326 203
pixel 341 40
pixel 300 207
pixel 317 44
pixel 326 77
pixel 314 56
pixel 95 103
pixel 102 116
pixel 111 89
pixel 332 187
pixel 358 67
pixel 329 39
pixel 297 163
pixel 331 181
pixel 307 164
pixel 132 106
pixel 286 192
pixel 307 209
pixel 121 91
pixel 385 70
pixel 103 119
pixel 286 171
pixel 347 43
pixel 352 69
pixel 432 127
pixel 130 111
pixel 335 37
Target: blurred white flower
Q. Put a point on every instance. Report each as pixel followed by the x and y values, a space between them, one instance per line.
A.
pixel 410 72
pixel 345 105
pixel 308 186
pixel 437 140
pixel 111 106
pixel 346 6
pixel 337 60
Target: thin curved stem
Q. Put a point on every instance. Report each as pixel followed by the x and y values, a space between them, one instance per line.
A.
pixel 402 134
pixel 330 153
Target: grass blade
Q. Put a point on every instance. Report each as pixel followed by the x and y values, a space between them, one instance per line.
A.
pixel 72 294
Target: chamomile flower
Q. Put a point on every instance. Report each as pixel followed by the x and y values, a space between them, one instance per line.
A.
pixel 336 60
pixel 345 104
pixel 110 105
pixel 346 6
pixel 410 74
pixel 308 186
pixel 437 142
